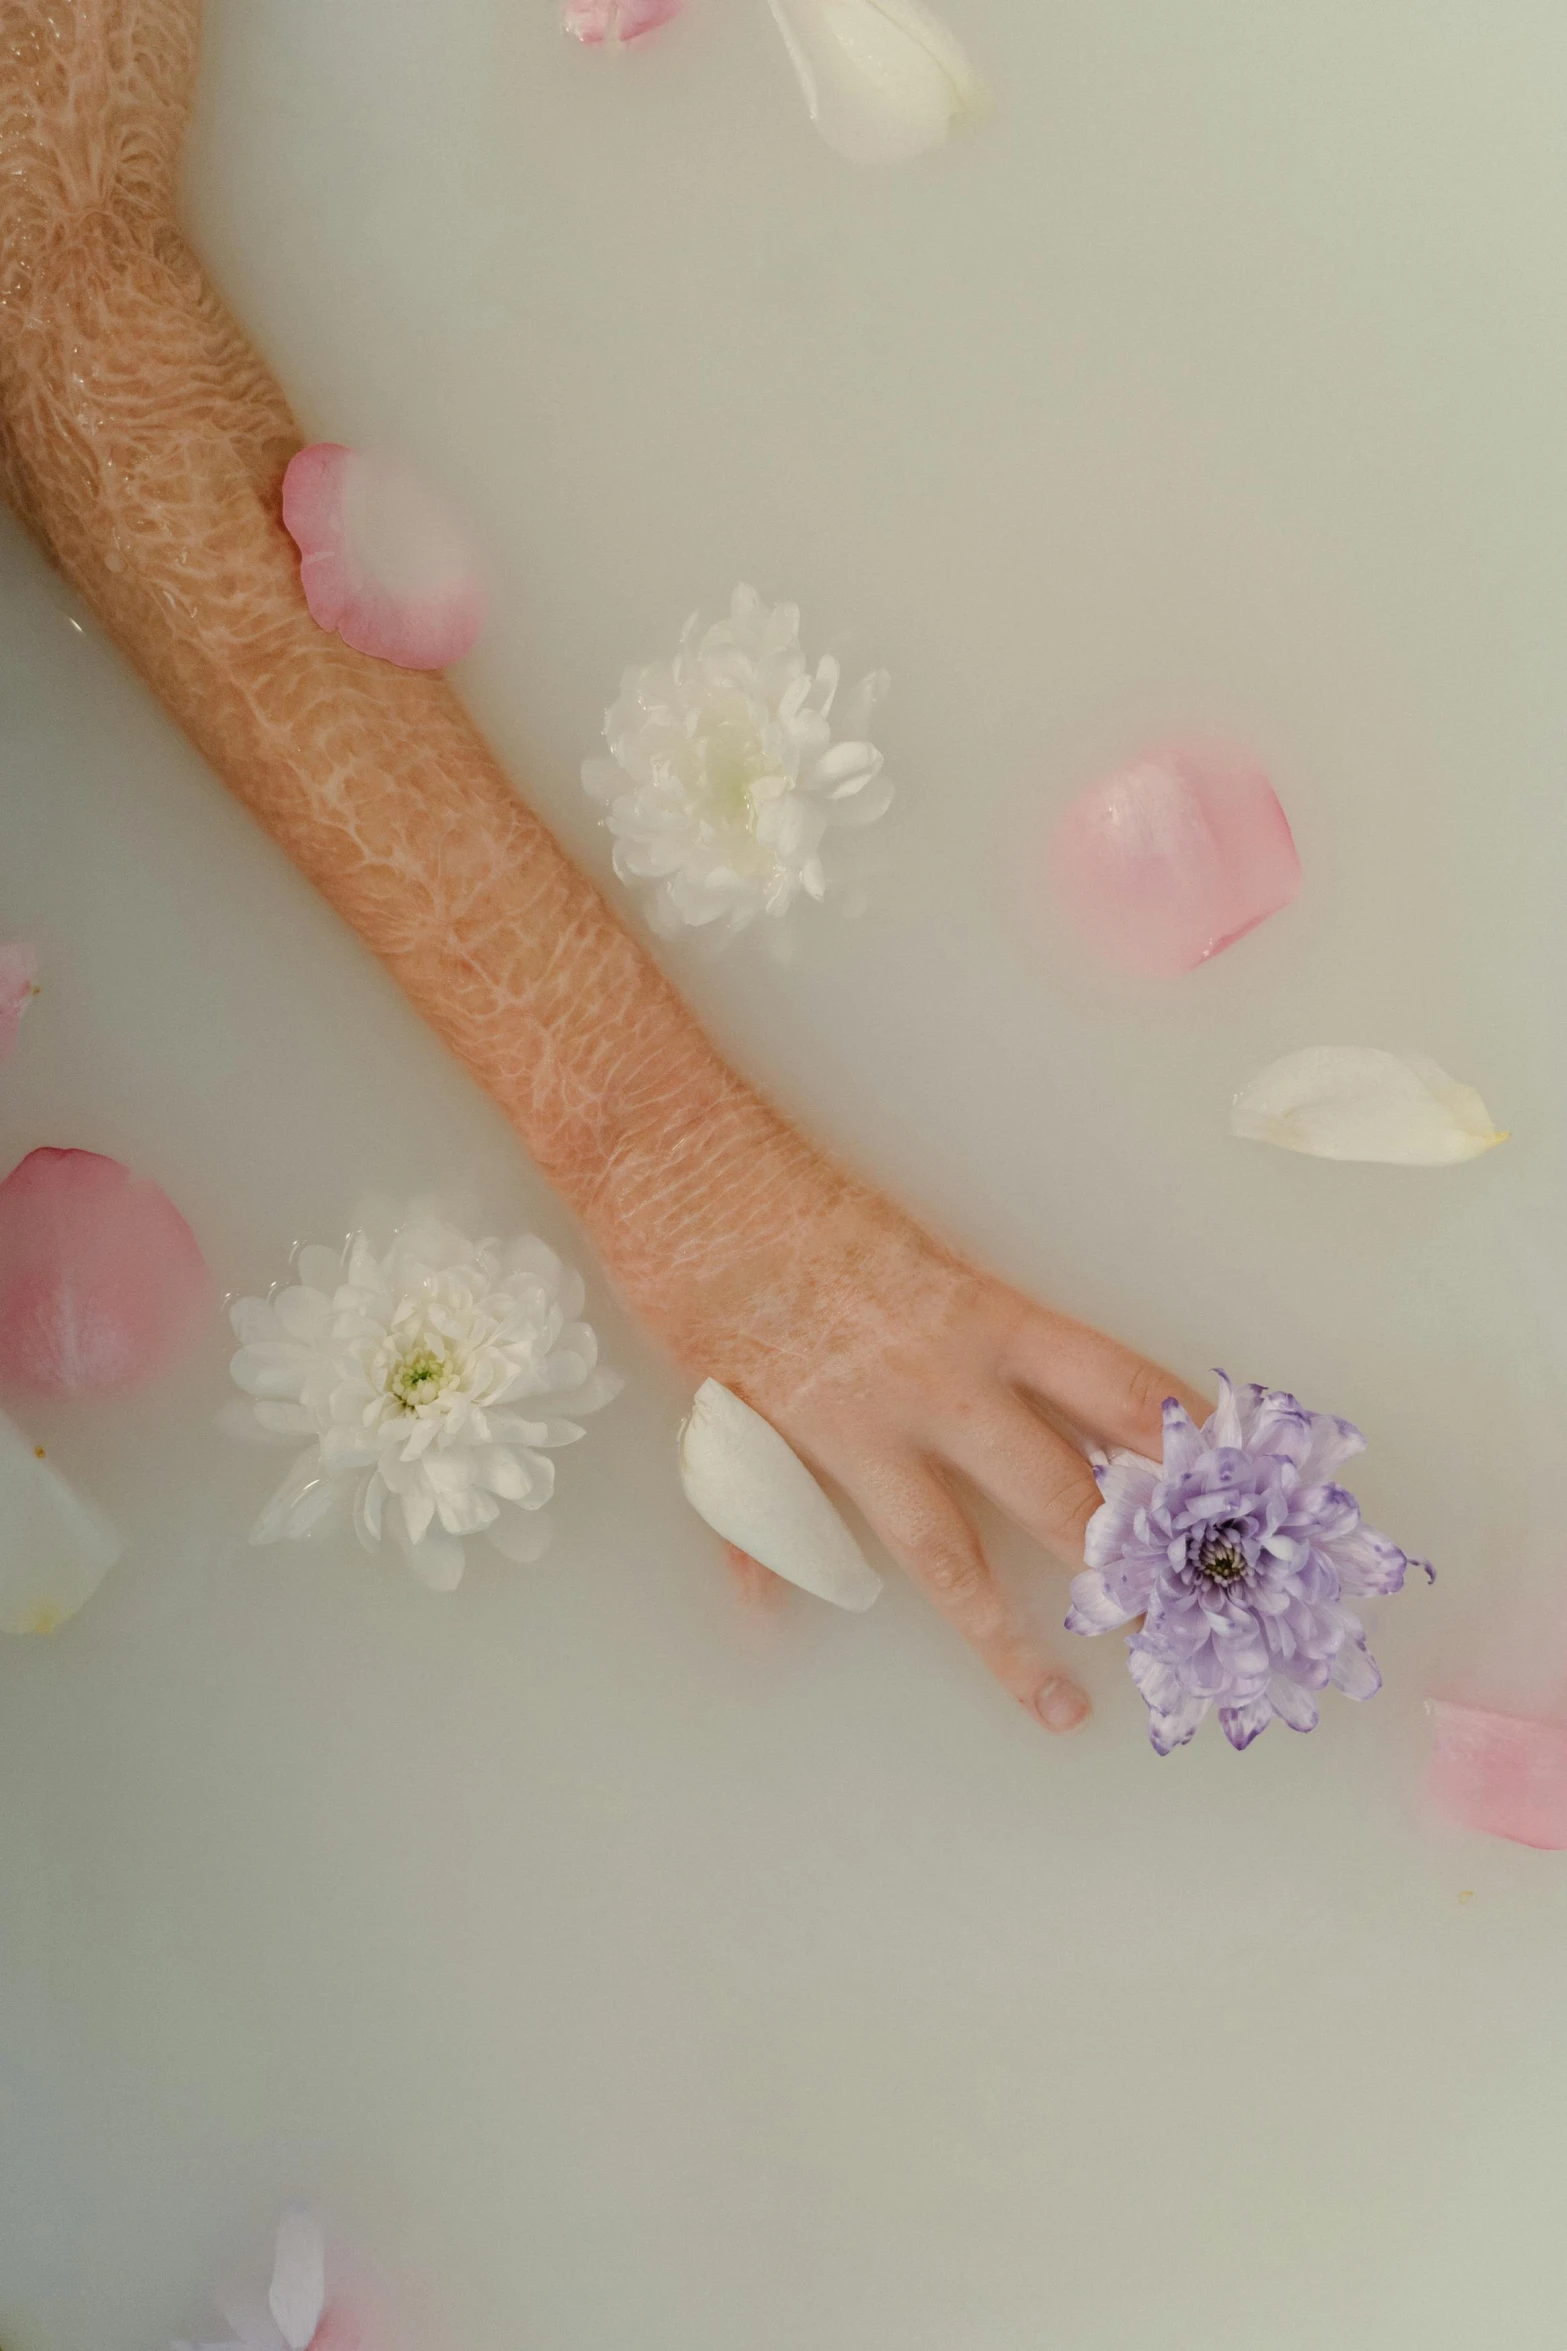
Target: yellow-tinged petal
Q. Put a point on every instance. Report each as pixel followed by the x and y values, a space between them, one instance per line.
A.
pixel 1357 1102
pixel 55 1548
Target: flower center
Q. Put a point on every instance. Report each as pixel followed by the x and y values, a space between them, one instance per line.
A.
pixel 419 1376
pixel 733 760
pixel 1219 1556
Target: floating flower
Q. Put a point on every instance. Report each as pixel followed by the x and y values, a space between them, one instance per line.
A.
pixel 725 778
pixel 1357 1102
pixel 381 560
pixel 1172 859
pixel 883 79
pixel 427 1380
pixel 18 987
pixel 1239 1554
pixel 101 1282
pixel 755 1491
pixel 296 2315
pixel 55 1548
pixel 1503 1774
pixel 616 21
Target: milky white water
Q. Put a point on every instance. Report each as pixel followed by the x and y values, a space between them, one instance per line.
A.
pixel 622 1977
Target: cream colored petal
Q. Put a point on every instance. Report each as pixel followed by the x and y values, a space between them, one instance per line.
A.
pixel 740 1476
pixel 298 2293
pixel 55 1549
pixel 1357 1102
pixel 883 79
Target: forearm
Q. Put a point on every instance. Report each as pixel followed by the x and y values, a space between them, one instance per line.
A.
pixel 145 444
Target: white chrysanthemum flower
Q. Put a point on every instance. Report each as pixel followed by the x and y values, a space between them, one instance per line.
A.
pixel 427 1380
pixel 726 775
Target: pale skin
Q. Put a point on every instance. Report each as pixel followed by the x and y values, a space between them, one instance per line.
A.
pixel 143 442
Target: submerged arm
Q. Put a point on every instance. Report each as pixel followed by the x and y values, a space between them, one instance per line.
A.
pixel 144 442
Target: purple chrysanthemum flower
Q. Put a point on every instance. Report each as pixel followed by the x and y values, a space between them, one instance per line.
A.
pixel 1239 1555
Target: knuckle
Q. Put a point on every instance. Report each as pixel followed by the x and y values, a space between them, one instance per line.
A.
pixel 961 1581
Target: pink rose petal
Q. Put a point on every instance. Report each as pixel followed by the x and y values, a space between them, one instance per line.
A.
pixel 1502 1774
pixel 18 986
pixel 1174 858
pixel 595 21
pixel 101 1282
pixel 381 560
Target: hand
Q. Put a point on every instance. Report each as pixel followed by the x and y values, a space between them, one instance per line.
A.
pixel 893 1367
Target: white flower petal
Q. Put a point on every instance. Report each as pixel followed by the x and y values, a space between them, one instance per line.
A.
pixel 319 1268
pixel 1357 1102
pixel 282 1420
pixel 271 1367
pixel 752 1489
pixel 883 79
pixel 253 1320
pixel 55 1548
pixel 240 1420
pixel 298 2294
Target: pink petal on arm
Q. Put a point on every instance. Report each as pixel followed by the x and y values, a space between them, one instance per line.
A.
pixel 101 1282
pixel 1503 1774
pixel 381 560
pixel 1172 859
pixel 18 987
pixel 616 21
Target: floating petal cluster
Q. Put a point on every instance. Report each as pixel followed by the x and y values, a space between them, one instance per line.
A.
pixel 883 80
pixel 1241 1554
pixel 296 2315
pixel 1358 1102
pixel 431 1381
pixel 728 774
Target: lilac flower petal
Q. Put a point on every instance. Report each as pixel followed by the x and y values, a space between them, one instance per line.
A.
pixel 1366 1563
pixel 1183 1442
pixel 1292 1704
pixel 1332 1441
pixel 1240 1553
pixel 1356 1672
pixel 1242 1724
pixel 1173 1729
pixel 1094 1608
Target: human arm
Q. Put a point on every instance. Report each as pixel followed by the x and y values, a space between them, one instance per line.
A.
pixel 144 442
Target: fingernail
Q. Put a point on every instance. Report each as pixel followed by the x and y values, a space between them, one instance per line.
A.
pixel 1061 1706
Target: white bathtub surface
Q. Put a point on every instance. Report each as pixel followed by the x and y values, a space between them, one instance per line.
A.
pixel 617 1974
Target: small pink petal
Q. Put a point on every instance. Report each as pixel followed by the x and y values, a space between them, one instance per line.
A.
pixel 1503 1774
pixel 381 559
pixel 596 21
pixel 1173 859
pixel 18 987
pixel 101 1282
